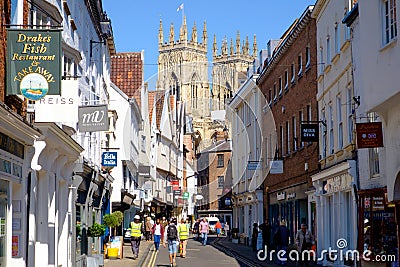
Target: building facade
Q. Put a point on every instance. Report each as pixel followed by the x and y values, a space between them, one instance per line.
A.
pixel 288 84
pixel 378 166
pixel 335 185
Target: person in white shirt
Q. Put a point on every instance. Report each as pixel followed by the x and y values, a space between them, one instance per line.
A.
pixel 158 232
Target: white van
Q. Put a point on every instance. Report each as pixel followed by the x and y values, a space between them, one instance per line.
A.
pixel 212 221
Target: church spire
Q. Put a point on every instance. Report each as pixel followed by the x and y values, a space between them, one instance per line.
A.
pixel 255 50
pixel 183 31
pixel 215 48
pixel 194 33
pixel 160 34
pixel 238 42
pixel 171 34
pixel 231 48
pixel 204 39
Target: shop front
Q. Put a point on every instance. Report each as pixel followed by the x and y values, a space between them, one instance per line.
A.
pixel 377 228
pixel 289 205
pixel 336 206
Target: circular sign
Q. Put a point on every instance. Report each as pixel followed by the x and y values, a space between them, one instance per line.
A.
pixel 34 86
pixel 199 197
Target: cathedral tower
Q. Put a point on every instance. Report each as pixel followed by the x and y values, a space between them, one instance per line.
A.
pixel 230 68
pixel 183 68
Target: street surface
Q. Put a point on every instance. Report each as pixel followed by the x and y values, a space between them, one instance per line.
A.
pixel 197 256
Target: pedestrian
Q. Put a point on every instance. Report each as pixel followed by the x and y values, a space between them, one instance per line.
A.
pixel 281 239
pixel 218 228
pixel 183 231
pixel 164 222
pixel 254 237
pixel 304 240
pixel 188 225
pixel 171 238
pixel 149 226
pixel 196 229
pixel 136 233
pixel 204 228
pixel 266 233
pixel 227 230
pixel 158 232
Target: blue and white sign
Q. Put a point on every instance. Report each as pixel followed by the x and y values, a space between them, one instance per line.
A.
pixel 109 159
pixel 253 165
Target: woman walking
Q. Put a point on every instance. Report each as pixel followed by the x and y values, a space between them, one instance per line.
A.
pixel 158 232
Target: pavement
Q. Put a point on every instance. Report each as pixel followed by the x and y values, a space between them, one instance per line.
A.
pixel 127 259
pixel 219 252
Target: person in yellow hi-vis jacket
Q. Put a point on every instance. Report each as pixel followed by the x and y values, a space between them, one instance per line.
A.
pixel 183 231
pixel 136 235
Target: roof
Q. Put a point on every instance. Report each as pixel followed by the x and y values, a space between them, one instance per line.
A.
pixel 127 73
pixel 156 98
pixel 219 146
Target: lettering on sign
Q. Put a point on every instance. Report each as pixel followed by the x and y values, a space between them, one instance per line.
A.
pixel 281 196
pixel 109 159
pixel 338 183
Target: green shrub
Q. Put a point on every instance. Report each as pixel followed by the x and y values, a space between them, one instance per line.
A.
pixel 96 230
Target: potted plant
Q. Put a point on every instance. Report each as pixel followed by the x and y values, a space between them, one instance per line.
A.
pixel 113 220
pixel 96 230
pixel 235 235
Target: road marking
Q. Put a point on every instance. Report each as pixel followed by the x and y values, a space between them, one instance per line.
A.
pixel 152 259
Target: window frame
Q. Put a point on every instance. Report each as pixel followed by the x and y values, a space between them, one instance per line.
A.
pixel 219 181
pixel 220 161
pixel 389 25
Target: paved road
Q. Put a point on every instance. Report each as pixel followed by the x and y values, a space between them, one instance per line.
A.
pixel 197 256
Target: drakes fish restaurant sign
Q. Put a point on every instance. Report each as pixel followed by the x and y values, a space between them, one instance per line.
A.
pixel 33 63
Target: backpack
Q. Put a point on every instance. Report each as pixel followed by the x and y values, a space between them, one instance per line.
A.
pixel 172 233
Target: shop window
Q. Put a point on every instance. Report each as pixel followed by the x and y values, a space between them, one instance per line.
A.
pixel 378 233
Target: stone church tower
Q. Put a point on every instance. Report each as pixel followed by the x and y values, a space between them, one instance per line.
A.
pixel 183 68
pixel 230 68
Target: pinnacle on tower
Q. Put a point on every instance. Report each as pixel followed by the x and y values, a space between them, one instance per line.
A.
pixel 246 48
pixel 160 34
pixel 238 42
pixel 224 47
pixel 194 33
pixel 171 34
pixel 204 40
pixel 215 48
pixel 231 48
pixel 183 30
pixel 255 50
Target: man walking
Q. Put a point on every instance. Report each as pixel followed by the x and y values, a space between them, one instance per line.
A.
pixel 158 232
pixel 304 240
pixel 204 228
pixel 227 230
pixel 281 239
pixel 266 233
pixel 196 229
pixel 136 234
pixel 183 231
pixel 172 239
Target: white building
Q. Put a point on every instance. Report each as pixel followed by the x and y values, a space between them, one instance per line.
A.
pixel 80 199
pixel 244 112
pixel 123 138
pixel 335 195
pixel 376 56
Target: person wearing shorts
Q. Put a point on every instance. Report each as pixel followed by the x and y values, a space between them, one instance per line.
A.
pixel 171 237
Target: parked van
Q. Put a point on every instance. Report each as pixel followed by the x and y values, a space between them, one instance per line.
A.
pixel 212 221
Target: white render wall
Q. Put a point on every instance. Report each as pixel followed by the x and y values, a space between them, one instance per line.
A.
pixel 375 69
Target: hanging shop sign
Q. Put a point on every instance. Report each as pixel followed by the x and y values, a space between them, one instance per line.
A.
pixel 276 167
pixel 109 159
pixel 369 135
pixel 253 165
pixel 144 171
pixel 309 132
pixel 185 195
pixel 33 62
pixel 93 118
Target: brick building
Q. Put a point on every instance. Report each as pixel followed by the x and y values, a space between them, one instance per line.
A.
pixel 215 179
pixel 288 81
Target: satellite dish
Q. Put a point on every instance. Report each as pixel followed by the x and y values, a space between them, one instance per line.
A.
pixel 199 197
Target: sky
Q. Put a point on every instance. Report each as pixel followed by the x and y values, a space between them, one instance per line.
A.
pixel 135 23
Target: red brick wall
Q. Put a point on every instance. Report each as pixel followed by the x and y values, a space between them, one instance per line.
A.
pixel 294 100
pixel 14 102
